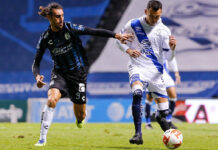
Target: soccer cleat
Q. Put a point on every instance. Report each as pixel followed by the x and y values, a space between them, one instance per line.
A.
pixel 163 123
pixel 41 142
pixel 80 124
pixel 172 126
pixel 136 139
pixel 148 126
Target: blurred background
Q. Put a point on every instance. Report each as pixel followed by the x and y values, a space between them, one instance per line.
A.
pixel 194 23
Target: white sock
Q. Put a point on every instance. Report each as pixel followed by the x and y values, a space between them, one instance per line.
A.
pixel 163 106
pixel 47 117
pixel 173 99
pixel 148 102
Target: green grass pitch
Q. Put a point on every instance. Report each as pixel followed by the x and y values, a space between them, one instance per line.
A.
pixel 103 136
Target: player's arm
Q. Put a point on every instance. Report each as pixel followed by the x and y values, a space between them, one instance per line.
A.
pixel 168 44
pixel 126 47
pixel 41 47
pixel 83 30
pixel 173 66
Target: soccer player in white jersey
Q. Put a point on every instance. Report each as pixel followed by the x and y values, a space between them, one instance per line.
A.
pixel 145 67
pixel 171 92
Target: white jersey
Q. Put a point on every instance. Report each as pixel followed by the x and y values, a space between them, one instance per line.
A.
pixel 152 42
pixel 171 65
pixel 158 43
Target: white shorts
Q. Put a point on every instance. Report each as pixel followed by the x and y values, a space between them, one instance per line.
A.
pixel 169 82
pixel 152 81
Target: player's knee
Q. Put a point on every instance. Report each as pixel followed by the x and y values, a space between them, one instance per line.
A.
pixel 137 94
pixel 52 102
pixel 137 90
pixel 149 98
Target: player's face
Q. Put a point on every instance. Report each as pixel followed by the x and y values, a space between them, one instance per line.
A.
pixel 152 16
pixel 57 19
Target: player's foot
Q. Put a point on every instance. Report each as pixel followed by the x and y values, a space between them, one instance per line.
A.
pixel 80 124
pixel 163 123
pixel 41 142
pixel 148 126
pixel 136 139
pixel 172 126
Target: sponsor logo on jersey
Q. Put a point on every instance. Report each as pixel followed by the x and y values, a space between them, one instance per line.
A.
pixel 50 42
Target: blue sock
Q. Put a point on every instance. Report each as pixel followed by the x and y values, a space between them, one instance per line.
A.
pixel 171 107
pixel 148 113
pixel 136 110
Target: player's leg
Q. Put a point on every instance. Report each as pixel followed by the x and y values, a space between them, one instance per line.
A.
pixel 171 92
pixel 162 112
pixel 148 103
pixel 47 114
pixel 158 92
pixel 80 114
pixel 78 97
pixel 137 90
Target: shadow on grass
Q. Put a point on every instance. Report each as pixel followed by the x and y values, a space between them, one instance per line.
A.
pixel 135 148
pixel 125 148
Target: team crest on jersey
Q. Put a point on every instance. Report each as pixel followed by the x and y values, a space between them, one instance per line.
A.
pixel 67 36
pixel 81 87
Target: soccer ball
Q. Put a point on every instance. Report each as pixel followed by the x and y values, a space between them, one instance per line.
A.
pixel 172 138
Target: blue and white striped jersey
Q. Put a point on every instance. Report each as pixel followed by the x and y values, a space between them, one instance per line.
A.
pixel 151 41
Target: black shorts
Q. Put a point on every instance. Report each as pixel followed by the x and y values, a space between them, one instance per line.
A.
pixel 71 84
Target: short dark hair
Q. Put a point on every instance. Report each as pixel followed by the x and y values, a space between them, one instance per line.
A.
pixel 154 4
pixel 45 11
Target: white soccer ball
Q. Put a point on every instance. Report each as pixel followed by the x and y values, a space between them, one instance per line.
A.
pixel 172 138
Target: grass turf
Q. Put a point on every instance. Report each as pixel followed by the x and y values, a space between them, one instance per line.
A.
pixel 103 136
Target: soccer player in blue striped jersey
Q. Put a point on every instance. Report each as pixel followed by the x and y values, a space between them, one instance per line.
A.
pixel 151 38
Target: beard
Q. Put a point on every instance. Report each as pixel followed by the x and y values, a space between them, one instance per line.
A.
pixel 59 26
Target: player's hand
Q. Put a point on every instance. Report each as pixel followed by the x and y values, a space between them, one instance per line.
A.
pixel 124 37
pixel 172 42
pixel 39 81
pixel 133 53
pixel 178 78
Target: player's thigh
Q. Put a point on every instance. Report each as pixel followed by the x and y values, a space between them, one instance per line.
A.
pixel 168 80
pixel 54 96
pixel 149 97
pixel 171 92
pixel 161 100
pixel 157 89
pixel 58 82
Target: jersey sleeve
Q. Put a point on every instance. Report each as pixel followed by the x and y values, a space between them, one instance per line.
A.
pixel 168 53
pixel 165 39
pixel 83 30
pixel 41 47
pixel 173 65
pixel 127 29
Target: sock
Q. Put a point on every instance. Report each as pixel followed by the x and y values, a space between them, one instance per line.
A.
pixel 162 112
pixel 172 104
pixel 148 112
pixel 47 117
pixel 136 110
